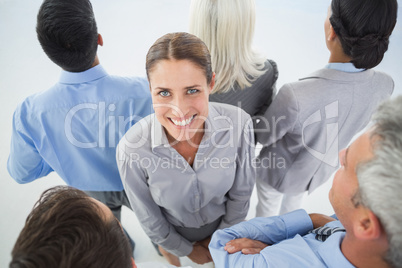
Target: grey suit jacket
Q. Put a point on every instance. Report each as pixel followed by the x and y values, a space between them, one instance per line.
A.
pixel 310 120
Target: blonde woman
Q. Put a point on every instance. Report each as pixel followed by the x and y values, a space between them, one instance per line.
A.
pixel 243 77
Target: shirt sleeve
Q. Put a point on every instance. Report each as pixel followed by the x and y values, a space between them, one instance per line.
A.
pixel 238 197
pixel 279 118
pixel 24 164
pixel 267 230
pixel 149 214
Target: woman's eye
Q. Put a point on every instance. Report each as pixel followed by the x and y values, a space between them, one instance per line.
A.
pixel 192 91
pixel 164 93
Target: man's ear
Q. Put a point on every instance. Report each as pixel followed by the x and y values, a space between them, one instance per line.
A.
pixel 212 84
pixel 133 262
pixel 367 226
pixel 100 40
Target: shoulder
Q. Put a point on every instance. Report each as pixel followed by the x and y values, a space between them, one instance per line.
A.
pixel 318 75
pixel 271 65
pixel 36 103
pixel 141 129
pixel 381 75
pixel 22 112
pixel 229 122
pixel 316 82
pixel 138 86
pixel 271 72
pixel 287 93
pixel 138 137
pixel 344 77
pixel 129 80
pixel 229 111
pixel 383 78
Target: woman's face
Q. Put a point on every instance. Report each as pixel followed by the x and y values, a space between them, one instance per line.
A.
pixel 180 94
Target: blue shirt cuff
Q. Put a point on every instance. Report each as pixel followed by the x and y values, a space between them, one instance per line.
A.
pixel 297 222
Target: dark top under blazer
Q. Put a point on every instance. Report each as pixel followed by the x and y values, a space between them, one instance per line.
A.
pixel 253 100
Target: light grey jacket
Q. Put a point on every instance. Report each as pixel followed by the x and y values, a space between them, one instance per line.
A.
pixel 310 120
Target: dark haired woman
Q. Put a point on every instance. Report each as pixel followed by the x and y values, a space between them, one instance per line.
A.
pixel 311 119
pixel 187 168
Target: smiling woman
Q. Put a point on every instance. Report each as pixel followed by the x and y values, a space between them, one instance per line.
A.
pixel 187 169
pixel 180 98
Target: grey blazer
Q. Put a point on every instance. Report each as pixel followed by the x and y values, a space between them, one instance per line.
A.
pixel 310 120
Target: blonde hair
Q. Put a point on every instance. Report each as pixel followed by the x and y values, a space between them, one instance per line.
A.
pixel 227 28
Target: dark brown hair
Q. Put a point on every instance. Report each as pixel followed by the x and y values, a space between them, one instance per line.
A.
pixel 68 33
pixel 67 229
pixel 180 46
pixel 363 28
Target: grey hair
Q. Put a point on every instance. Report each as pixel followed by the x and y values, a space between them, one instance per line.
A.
pixel 380 179
pixel 227 28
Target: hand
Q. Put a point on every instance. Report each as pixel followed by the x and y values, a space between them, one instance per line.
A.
pixel 200 254
pixel 172 259
pixel 204 242
pixel 320 220
pixel 245 245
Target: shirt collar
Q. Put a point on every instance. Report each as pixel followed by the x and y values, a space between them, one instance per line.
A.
pixel 336 75
pixel 330 250
pixel 158 135
pixel 346 67
pixel 210 123
pixel 89 75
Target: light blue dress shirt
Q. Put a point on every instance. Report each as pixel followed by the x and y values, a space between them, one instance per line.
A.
pixel 73 128
pixel 291 246
pixel 346 67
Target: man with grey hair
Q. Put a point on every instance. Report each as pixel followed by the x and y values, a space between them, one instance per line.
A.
pixel 365 196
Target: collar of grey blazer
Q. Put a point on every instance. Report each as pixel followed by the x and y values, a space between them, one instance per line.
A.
pixel 339 75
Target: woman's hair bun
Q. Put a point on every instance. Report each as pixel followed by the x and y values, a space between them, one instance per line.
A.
pixel 363 28
pixel 367 51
